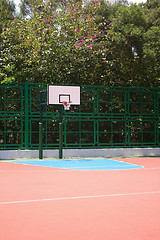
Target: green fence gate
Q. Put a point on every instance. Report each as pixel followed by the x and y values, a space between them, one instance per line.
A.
pixel 107 117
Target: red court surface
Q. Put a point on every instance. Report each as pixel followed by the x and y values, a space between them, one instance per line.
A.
pixel 43 203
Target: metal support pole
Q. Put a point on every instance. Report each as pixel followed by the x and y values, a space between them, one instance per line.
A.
pixel 41 130
pixel 60 133
pixel 40 141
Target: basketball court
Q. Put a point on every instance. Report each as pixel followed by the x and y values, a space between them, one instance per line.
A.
pixel 54 200
pixel 78 199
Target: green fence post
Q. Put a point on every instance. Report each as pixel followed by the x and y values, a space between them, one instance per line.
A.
pixel 26 116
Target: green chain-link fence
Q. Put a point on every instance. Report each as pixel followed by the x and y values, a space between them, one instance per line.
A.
pixel 107 117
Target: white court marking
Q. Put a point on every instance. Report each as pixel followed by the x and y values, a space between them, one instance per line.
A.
pixel 36 171
pixel 66 170
pixel 80 197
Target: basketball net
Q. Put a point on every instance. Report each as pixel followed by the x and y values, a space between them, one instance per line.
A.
pixel 66 105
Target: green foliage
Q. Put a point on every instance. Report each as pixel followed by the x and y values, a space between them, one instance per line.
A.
pixel 26 8
pixel 128 26
pixel 7 11
pixel 59 43
pixel 151 51
pixel 135 46
pixel 65 42
pixel 7 76
pixel 152 10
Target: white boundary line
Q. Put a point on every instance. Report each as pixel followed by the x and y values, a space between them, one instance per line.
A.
pixel 80 197
pixel 151 168
pixel 64 170
pixel 67 170
pixel 35 171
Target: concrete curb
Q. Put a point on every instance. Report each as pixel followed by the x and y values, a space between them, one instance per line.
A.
pixel 82 153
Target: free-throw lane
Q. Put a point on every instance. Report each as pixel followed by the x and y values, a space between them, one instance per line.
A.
pixel 84 164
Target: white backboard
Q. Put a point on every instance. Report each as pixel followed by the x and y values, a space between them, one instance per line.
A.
pixel 58 94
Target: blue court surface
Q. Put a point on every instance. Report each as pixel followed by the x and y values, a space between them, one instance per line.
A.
pixel 83 164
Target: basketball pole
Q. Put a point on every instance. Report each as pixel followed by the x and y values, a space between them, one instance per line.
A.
pixel 62 96
pixel 60 132
pixel 41 129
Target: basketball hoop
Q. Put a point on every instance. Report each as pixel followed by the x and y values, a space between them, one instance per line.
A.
pixel 66 105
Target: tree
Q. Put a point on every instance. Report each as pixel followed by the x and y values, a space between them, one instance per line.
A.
pixel 7 13
pixel 132 45
pixel 61 42
pixel 151 48
pixel 128 26
pixel 26 8
pixel 152 8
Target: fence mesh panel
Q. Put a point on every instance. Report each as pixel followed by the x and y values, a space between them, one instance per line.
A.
pixel 107 117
